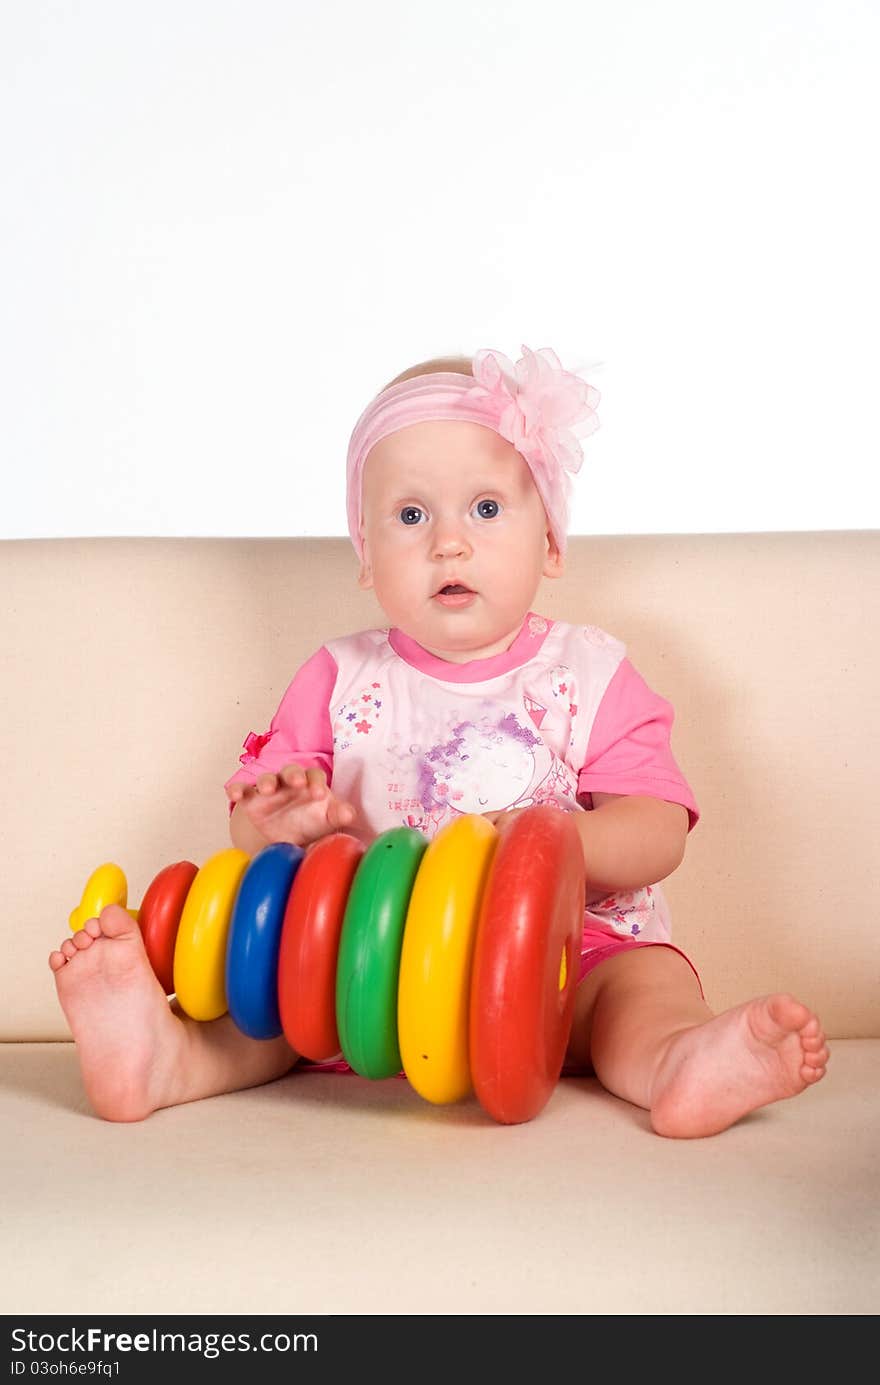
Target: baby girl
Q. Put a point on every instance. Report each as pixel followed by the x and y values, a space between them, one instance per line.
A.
pixel 469 701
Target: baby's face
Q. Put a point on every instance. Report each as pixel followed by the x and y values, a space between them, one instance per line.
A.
pixel 454 502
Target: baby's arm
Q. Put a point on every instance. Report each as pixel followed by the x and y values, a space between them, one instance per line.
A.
pixel 630 840
pixel 295 805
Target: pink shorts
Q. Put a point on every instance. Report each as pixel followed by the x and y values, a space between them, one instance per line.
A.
pixel 596 946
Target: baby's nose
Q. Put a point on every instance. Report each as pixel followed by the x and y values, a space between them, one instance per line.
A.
pixel 450 543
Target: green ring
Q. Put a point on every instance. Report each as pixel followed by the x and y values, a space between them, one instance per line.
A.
pixel 369 952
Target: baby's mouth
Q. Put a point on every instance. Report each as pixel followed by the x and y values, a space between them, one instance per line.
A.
pixel 454 596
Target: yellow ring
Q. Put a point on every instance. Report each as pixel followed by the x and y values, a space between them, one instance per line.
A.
pixel 106 885
pixel 200 950
pixel 433 997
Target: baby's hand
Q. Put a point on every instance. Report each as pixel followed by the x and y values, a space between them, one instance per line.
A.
pixel 502 819
pixel 295 805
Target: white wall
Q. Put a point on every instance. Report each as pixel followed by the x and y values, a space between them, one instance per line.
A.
pixel 224 226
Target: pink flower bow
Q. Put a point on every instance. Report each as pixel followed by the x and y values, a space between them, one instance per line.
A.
pixel 253 744
pixel 542 408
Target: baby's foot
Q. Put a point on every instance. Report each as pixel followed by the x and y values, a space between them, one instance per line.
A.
pixel 714 1073
pixel 130 1044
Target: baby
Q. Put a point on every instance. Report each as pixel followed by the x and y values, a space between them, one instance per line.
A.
pixel 468 702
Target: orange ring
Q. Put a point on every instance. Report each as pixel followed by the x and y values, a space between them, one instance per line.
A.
pixel 310 945
pixel 159 918
pixel 524 972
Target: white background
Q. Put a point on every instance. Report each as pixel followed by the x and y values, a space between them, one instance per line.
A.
pixel 224 226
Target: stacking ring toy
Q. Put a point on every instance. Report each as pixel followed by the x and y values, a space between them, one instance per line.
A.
pixel 310 945
pixel 369 952
pixel 523 984
pixel 254 939
pixel 106 885
pixel 159 918
pixel 200 950
pixel 454 959
pixel 435 962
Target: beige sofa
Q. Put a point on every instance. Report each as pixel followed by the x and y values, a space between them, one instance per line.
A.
pixel 132 670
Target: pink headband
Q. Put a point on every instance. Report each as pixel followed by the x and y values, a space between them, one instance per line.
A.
pixel 535 404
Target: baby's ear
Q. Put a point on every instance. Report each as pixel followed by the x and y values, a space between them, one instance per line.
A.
pixel 554 563
pixel 365 575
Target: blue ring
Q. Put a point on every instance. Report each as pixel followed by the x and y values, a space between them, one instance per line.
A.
pixel 255 940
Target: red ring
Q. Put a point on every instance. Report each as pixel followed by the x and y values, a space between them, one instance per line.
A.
pixel 533 909
pixel 159 918
pixel 310 945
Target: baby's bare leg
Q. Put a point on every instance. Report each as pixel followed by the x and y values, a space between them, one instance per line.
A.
pixel 652 1040
pixel 137 1053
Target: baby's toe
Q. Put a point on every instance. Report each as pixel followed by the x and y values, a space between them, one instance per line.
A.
pixel 68 948
pixel 57 960
pixel 814 1050
pixel 818 1059
pixel 81 939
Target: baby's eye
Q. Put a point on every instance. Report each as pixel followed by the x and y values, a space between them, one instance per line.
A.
pixel 410 514
pixel 489 513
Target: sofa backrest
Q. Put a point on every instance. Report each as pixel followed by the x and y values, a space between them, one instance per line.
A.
pixel 132 669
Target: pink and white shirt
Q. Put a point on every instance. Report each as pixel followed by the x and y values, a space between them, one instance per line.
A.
pixel 413 740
